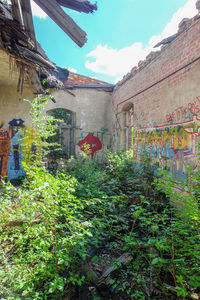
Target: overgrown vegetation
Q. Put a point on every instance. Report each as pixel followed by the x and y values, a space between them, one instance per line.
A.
pixel 96 232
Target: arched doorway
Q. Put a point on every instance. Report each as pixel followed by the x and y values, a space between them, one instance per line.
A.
pixel 65 131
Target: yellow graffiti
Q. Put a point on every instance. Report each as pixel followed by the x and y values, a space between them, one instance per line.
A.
pixel 173 146
pixel 86 148
pixel 176 139
pixel 31 137
pixel 18 148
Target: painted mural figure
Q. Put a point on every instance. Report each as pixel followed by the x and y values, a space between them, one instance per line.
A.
pixel 90 144
pixel 16 132
pixel 17 144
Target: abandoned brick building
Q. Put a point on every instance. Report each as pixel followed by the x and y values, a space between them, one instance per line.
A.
pixel 154 109
pixel 157 105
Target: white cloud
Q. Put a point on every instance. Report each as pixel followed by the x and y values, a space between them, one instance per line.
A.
pixel 115 62
pixel 118 62
pixel 187 11
pixel 37 11
pixel 72 70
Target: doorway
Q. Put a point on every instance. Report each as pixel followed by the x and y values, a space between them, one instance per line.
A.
pixel 65 131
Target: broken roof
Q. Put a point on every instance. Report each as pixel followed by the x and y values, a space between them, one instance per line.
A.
pixel 17 37
pixel 21 11
pixel 61 78
pixel 17 44
pixel 15 40
pixel 55 79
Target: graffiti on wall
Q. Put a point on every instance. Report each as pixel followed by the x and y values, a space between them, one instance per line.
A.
pixel 90 144
pixel 4 152
pixel 94 144
pixel 16 133
pixel 172 146
pixel 185 112
pixel 16 145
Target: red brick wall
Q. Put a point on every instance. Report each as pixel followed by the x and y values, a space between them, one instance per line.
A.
pixel 167 101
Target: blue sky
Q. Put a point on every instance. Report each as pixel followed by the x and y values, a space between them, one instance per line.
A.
pixel 120 33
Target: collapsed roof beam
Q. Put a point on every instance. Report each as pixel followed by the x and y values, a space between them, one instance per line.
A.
pixel 79 5
pixel 57 14
pixel 22 13
pixel 28 19
pixel 16 11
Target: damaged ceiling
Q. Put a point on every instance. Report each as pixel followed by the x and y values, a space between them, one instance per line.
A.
pixel 17 36
pixel 21 11
pixel 22 55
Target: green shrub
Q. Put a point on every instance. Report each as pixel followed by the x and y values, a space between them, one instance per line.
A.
pixel 49 223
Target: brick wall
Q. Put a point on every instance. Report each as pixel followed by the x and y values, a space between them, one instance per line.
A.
pixel 165 92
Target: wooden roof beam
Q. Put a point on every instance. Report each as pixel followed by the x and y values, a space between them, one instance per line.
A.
pixel 28 19
pixel 65 22
pixel 79 5
pixel 16 11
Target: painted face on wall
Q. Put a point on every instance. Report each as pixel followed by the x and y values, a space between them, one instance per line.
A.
pixel 15 125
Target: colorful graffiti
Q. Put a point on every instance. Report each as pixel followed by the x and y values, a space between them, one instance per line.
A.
pixel 90 144
pixel 16 133
pixel 4 152
pixel 172 146
pixel 184 113
pixel 16 145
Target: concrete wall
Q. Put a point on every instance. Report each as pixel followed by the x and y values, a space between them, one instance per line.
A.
pixel 92 111
pixel 10 106
pixel 7 66
pixel 165 93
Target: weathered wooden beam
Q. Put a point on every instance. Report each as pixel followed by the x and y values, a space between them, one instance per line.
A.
pixel 16 11
pixel 78 5
pixel 1 44
pixel 13 29
pixel 28 19
pixel 34 57
pixel 65 22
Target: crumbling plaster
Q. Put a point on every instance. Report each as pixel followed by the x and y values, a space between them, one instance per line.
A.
pixel 7 77
pixel 10 106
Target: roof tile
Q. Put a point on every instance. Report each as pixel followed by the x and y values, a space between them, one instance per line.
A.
pixel 77 79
